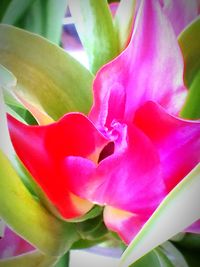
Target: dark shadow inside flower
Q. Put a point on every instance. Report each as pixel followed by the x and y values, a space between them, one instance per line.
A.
pixel 107 151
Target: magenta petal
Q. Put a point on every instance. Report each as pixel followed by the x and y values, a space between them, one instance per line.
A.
pixel 180 12
pixel 43 149
pixel 13 245
pixel 113 8
pixel 177 141
pixel 194 228
pixel 130 179
pixel 151 68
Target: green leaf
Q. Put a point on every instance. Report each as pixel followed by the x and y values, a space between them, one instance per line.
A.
pixel 8 82
pixel 181 205
pixel 123 21
pixel 16 10
pixel 32 259
pixel 165 256
pixel 175 256
pixel 156 258
pixel 45 17
pixel 95 27
pixel 4 6
pixel 5 143
pixel 189 241
pixel 18 207
pixel 92 229
pixel 189 41
pixel 64 260
pixel 94 212
pixel 54 19
pixel 49 80
pixel 192 257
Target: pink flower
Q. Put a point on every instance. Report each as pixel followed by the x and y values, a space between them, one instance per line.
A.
pixel 132 149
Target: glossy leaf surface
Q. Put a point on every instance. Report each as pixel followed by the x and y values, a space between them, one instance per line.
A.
pixel 48 78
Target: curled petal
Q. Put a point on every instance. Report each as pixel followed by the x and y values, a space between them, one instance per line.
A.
pixel 130 179
pixel 150 68
pixel 177 141
pixel 43 148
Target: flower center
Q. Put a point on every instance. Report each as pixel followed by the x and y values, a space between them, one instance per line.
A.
pixel 106 151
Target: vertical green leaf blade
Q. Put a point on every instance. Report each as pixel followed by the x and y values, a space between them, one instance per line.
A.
pixel 4 6
pixel 177 211
pixel 189 41
pixel 16 10
pixel 45 17
pixel 55 14
pixel 123 21
pixel 95 27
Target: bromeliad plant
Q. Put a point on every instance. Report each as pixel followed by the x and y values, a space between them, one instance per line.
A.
pixel 121 169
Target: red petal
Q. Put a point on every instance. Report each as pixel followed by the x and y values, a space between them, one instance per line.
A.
pixel 43 149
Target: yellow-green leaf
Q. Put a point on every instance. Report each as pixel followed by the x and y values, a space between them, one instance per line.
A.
pixel 189 41
pixel 47 77
pixel 28 217
pixel 123 21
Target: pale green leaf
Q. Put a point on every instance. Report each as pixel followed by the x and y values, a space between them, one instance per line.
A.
pixel 155 258
pixel 175 256
pixel 123 21
pixel 95 27
pixel 13 106
pixel 189 41
pixel 18 207
pixel 165 256
pixel 177 211
pixel 5 143
pixel 48 79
